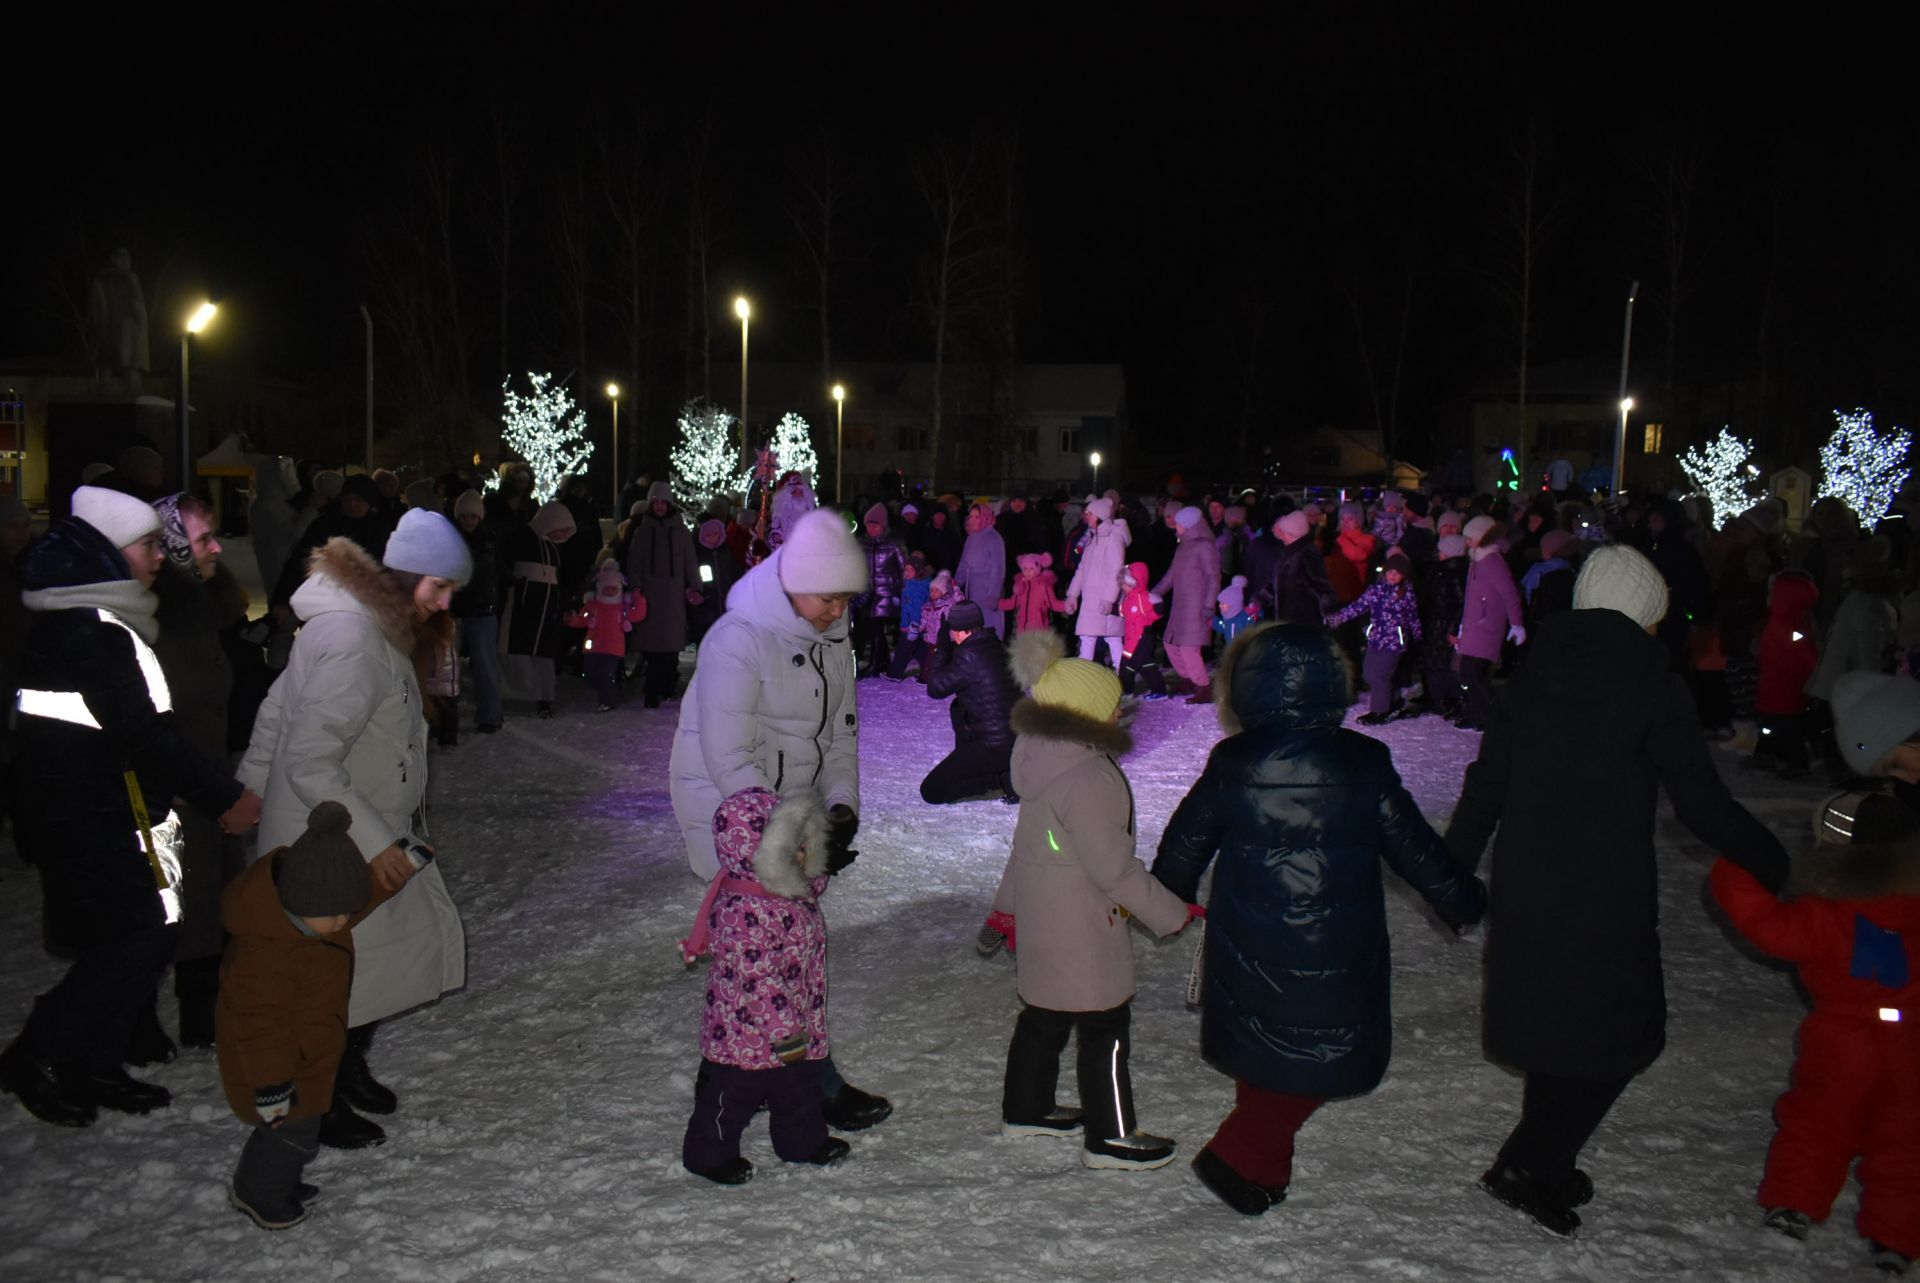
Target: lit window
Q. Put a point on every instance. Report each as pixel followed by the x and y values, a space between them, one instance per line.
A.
pixel 1655 434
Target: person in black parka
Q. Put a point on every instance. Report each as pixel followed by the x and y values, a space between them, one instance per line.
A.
pixel 1296 587
pixel 974 672
pixel 1299 813
pixel 1574 997
pixel 94 731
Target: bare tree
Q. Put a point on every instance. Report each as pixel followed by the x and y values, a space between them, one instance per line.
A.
pixel 1527 216
pixel 629 201
pixel 699 241
pixel 948 180
pixel 499 197
pixel 571 227
pixel 1672 178
pixel 812 213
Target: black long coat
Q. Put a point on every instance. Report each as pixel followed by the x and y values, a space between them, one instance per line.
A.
pixel 975 674
pixel 71 810
pixel 1298 588
pixel 1300 813
pixel 1568 770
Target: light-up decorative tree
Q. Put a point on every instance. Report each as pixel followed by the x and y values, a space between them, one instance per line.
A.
pixel 1719 471
pixel 1862 466
pixel 706 461
pixel 547 430
pixel 793 446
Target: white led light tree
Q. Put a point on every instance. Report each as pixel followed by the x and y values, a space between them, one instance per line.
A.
pixel 547 430
pixel 1862 466
pixel 793 446
pixel 706 461
pixel 1719 471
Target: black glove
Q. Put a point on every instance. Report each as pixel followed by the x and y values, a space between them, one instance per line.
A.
pixel 842 824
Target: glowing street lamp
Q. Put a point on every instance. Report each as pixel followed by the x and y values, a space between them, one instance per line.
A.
pixel 613 395
pixel 197 320
pixel 839 454
pixel 743 310
pixel 1094 459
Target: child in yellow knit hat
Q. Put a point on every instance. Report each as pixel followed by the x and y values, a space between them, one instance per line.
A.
pixel 1073 884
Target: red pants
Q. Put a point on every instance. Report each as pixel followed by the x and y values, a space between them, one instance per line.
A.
pixel 1855 1093
pixel 1256 1140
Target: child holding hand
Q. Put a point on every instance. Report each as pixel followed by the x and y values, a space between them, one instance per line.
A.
pixel 1394 628
pixel 608 613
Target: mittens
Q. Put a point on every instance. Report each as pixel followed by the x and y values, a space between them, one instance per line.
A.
pixel 842 825
pixel 273 1103
pixel 1517 635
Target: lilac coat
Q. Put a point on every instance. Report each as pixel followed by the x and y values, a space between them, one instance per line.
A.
pixel 1492 606
pixel 1395 616
pixel 1194 581
pixel 768 980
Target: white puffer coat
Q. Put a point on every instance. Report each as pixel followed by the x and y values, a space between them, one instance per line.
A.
pixel 344 723
pixel 771 706
pixel 1096 584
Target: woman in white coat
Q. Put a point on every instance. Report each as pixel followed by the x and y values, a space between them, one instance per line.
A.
pixel 1093 598
pixel 772 706
pixel 345 723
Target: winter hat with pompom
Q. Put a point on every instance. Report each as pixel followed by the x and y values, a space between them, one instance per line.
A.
pixel 323 872
pixel 123 519
pixel 1233 598
pixel 1618 578
pixel 821 556
pixel 426 543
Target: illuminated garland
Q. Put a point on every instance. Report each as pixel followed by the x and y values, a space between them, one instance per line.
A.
pixel 706 462
pixel 1720 473
pixel 793 444
pixel 1862 467
pixel 547 430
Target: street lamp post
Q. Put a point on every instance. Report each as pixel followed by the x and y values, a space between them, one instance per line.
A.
pixel 1620 445
pixel 197 322
pixel 839 424
pixel 613 395
pixel 1094 459
pixel 743 310
pixel 1626 402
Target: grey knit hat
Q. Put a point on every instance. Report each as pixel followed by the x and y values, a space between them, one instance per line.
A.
pixel 323 872
pixel 426 543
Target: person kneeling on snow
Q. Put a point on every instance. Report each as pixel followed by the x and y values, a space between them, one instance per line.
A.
pixel 1854 928
pixel 1073 884
pixel 281 1026
pixel 974 673
pixel 763 1038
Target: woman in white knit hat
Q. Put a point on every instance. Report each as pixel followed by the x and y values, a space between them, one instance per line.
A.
pixel 1574 993
pixel 772 705
pixel 346 723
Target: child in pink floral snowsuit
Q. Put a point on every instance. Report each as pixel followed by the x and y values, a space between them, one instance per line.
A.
pixel 764 1033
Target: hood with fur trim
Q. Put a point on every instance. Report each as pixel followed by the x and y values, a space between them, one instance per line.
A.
pixel 797 826
pixel 1868 871
pixel 342 576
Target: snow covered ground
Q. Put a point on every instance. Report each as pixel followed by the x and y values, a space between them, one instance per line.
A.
pixel 542 1107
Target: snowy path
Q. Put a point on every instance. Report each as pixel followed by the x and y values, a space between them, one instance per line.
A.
pixel 542 1106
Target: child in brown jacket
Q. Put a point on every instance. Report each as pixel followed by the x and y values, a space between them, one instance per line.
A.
pixel 281 1025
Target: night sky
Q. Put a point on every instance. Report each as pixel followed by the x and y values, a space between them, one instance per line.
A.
pixel 1241 208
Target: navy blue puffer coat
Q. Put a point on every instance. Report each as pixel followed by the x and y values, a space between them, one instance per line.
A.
pixel 1300 812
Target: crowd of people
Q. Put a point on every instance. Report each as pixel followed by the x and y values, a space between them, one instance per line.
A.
pixel 1643 631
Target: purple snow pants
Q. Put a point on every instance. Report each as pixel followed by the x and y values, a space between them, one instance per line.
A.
pixel 725 1099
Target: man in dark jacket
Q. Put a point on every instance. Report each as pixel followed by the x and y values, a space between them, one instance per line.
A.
pixel 476 608
pixel 974 672
pixel 1574 997
pixel 355 514
pixel 1293 588
pixel 99 766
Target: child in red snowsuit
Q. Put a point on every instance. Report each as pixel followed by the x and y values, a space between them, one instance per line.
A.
pixel 1139 611
pixel 608 613
pixel 1855 931
pixel 1032 600
pixel 1788 655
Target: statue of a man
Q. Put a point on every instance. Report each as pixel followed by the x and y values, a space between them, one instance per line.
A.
pixel 117 319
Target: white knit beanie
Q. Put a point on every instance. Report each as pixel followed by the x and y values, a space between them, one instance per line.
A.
pixel 123 519
pixel 821 556
pixel 1101 508
pixel 1187 518
pixel 1294 526
pixel 1616 577
pixel 426 543
pixel 1476 530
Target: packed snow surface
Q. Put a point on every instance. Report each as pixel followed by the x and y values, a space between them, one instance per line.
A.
pixel 542 1106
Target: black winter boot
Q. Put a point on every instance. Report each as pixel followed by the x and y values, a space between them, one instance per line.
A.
pixel 1236 1191
pixel 41 1090
pixel 853 1110
pixel 149 1044
pixel 341 1128
pixel 355 1080
pixel 1524 1192
pixel 117 1091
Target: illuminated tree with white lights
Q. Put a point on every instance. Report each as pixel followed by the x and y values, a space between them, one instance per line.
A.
pixel 1862 466
pixel 793 446
pixel 706 461
pixel 547 430
pixel 1719 471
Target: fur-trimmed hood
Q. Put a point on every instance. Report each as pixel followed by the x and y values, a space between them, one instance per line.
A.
pixel 342 576
pixel 1293 676
pixel 1051 722
pixel 758 835
pixel 1866 871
